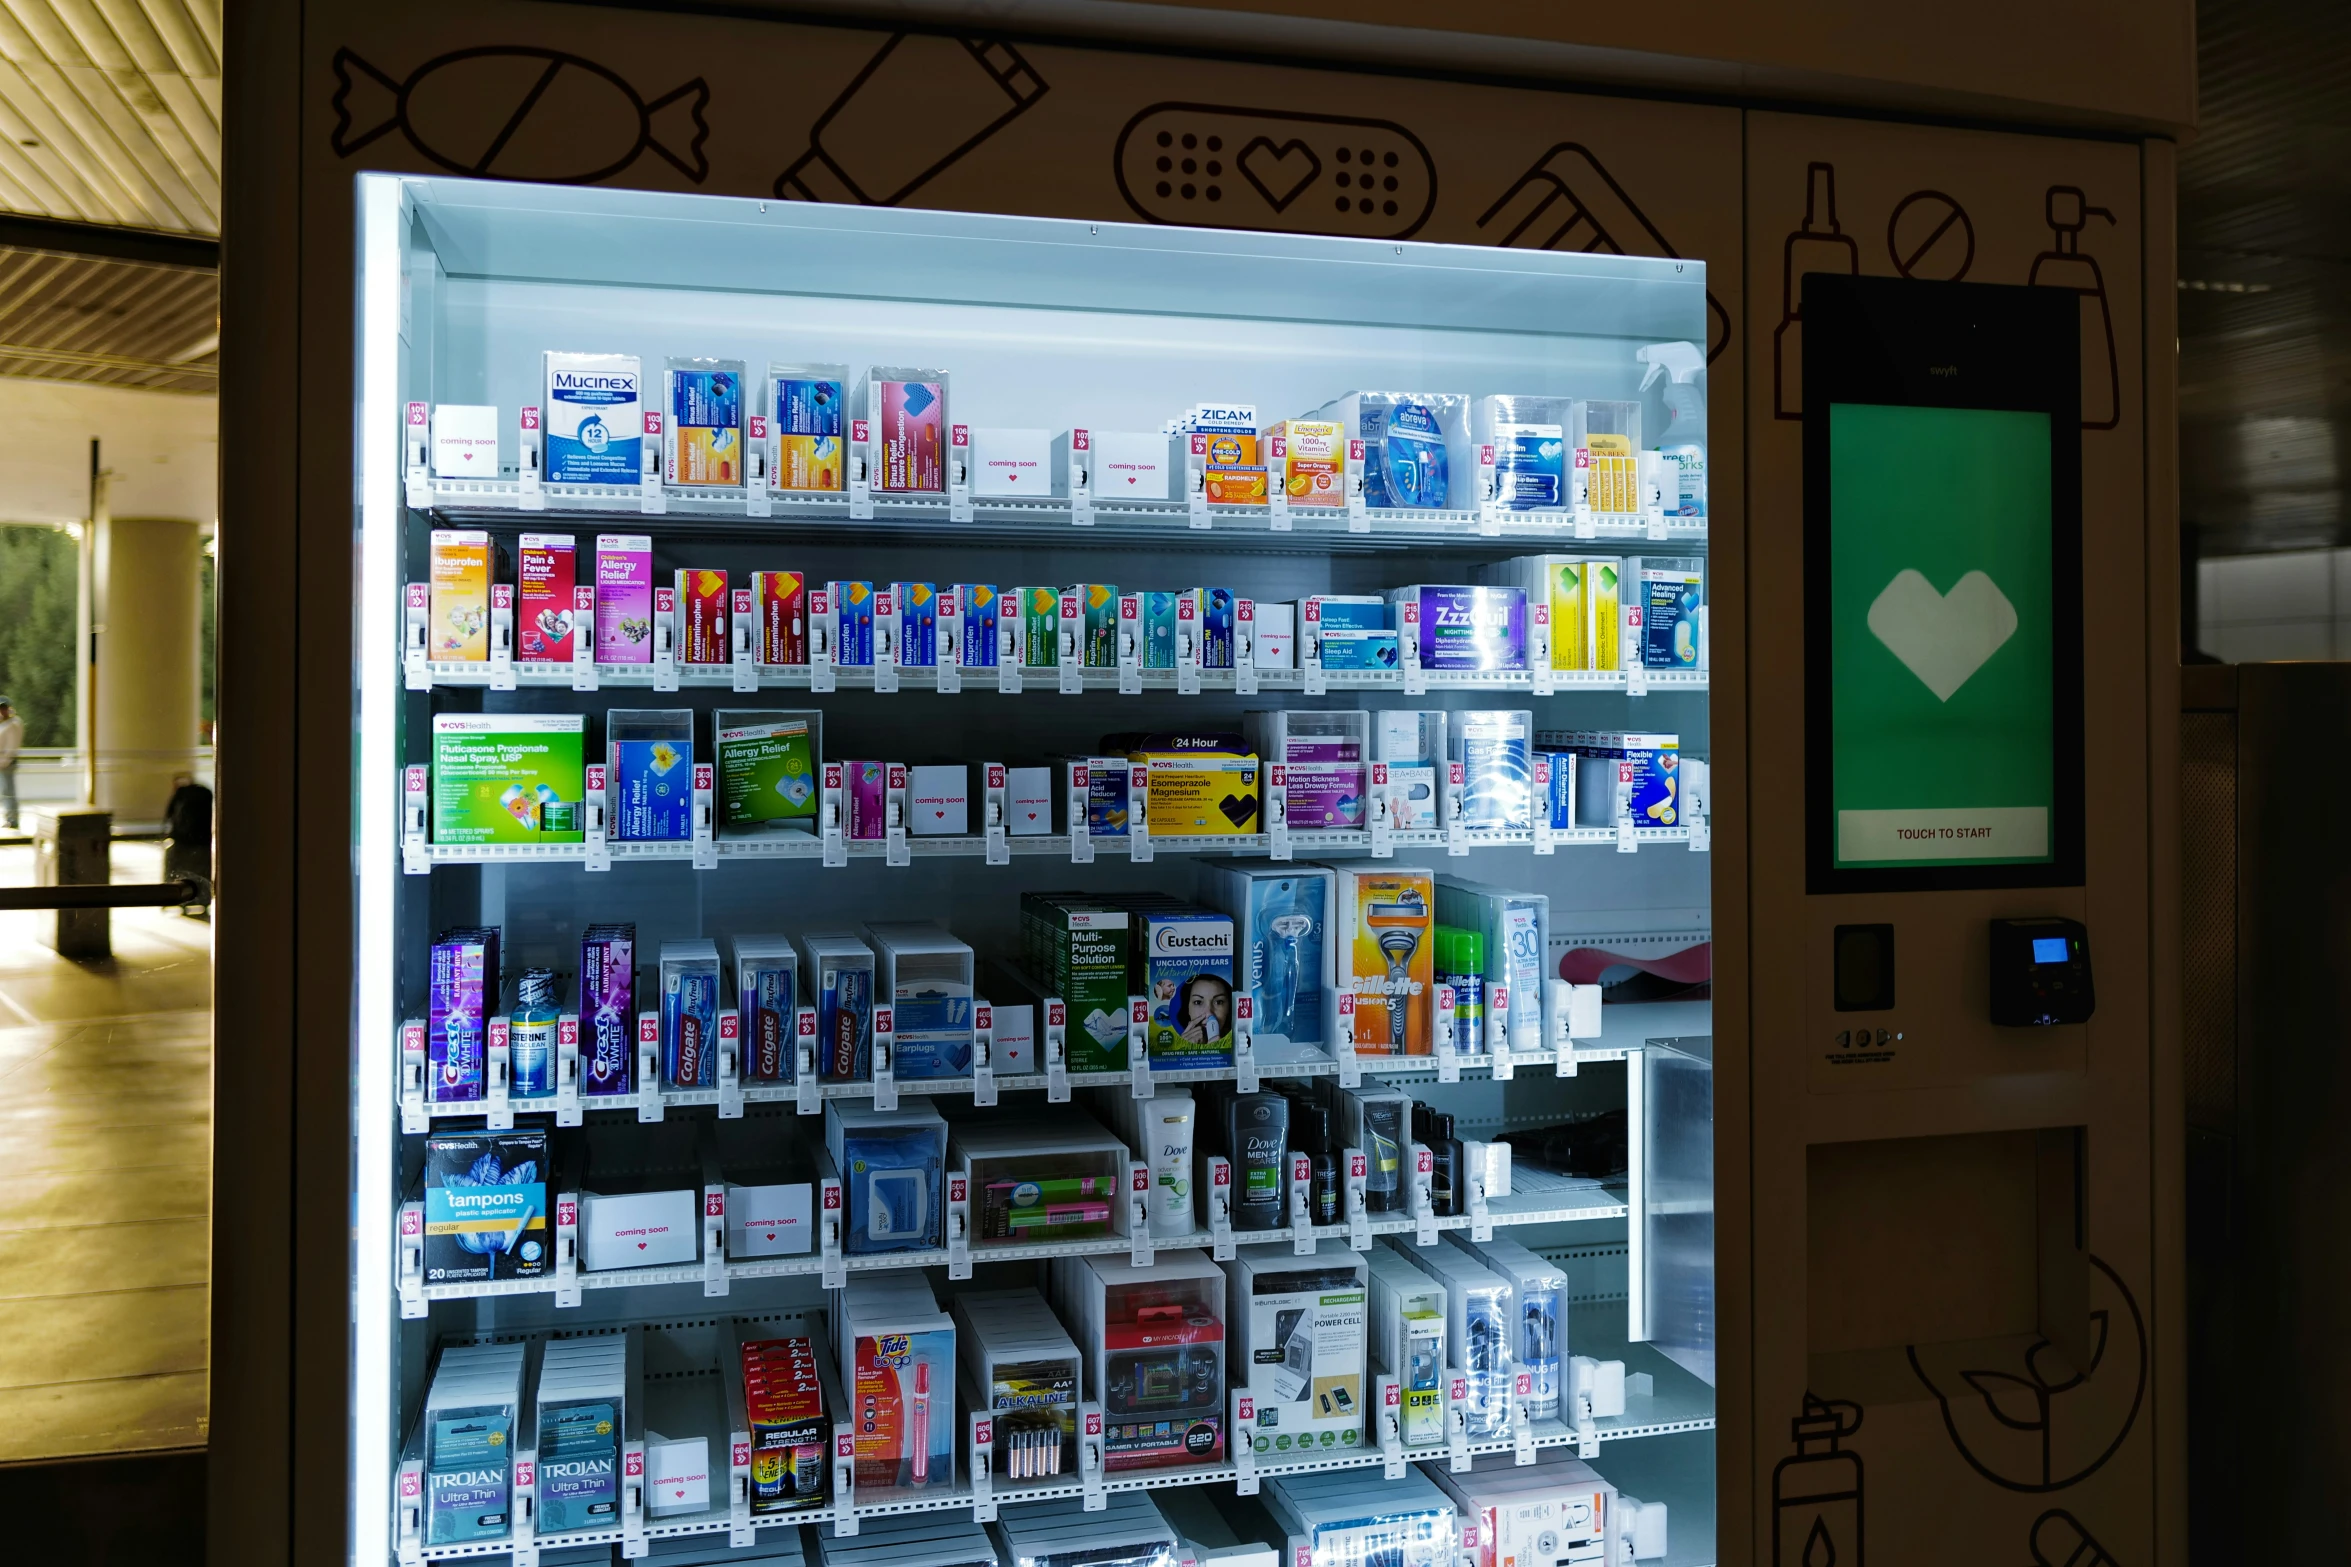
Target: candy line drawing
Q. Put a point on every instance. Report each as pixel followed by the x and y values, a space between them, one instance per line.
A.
pixel 514 112
pixel 1598 217
pixel 869 149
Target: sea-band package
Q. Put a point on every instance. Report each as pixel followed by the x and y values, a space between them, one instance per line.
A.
pixel 594 424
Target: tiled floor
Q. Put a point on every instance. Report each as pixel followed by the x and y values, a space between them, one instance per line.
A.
pixel 106 1143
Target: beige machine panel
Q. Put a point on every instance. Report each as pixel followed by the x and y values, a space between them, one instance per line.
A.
pixel 1962 1354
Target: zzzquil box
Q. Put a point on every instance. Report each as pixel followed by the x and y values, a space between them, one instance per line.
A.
pixel 508 777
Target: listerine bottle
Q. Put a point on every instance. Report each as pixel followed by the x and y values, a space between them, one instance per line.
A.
pixel 530 1034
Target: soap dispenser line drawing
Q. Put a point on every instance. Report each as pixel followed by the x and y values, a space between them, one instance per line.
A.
pixel 1821 245
pixel 2068 266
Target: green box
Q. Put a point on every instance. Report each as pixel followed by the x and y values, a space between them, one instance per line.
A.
pixel 508 777
pixel 1040 617
pixel 767 770
pixel 1079 948
pixel 1098 603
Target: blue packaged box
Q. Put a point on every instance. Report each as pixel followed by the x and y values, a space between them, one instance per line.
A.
pixel 1558 791
pixel 1404 455
pixel 767 994
pixel 485 1207
pixel 1530 466
pixel 918 625
pixel 651 755
pixel 593 425
pixel 1464 628
pixel 1106 797
pixel 689 1014
pixel 853 625
pixel 1187 962
pixel 1354 612
pixel 839 973
pixel 579 1484
pixel 467 1489
pixel 977 603
pixel 1496 753
pixel 1358 650
pixel 1669 593
pixel 1216 627
pixel 1159 630
pixel 890 1162
pixel 1621 774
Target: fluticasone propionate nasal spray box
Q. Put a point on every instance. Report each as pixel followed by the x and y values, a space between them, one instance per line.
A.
pixel 594 423
pixel 507 777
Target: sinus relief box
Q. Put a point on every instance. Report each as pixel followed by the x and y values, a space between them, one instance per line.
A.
pixel 593 425
pixel 508 777
pixel 704 440
pixel 465 441
pixel 1011 462
pixel 909 410
pixel 804 404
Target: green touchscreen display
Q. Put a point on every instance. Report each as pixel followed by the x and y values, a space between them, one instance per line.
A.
pixel 1941 642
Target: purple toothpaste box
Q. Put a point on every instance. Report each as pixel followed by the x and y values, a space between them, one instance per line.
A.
pixel 624 598
pixel 464 982
pixel 869 798
pixel 1470 628
pixel 1325 783
pixel 608 1016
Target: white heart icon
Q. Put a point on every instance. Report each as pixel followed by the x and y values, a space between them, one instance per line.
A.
pixel 1943 638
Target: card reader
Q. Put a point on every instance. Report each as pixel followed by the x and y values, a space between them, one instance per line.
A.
pixel 2041 973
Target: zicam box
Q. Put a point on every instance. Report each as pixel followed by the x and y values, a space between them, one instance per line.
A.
pixel 460 596
pixel 485 1198
pixel 508 777
pixel 545 626
pixel 593 424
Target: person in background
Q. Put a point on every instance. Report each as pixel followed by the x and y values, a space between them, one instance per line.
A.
pixel 11 742
pixel 188 854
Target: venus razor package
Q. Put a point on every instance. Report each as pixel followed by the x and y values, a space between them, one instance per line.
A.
pixel 703 444
pixel 651 753
pixel 766 973
pixel 890 1161
pixel 624 598
pixel 909 413
pixel 837 971
pixel 1495 750
pixel 689 1014
pixel 608 1018
pixel 485 1196
pixel 593 425
pixel 1529 437
pixel 1281 920
pixel 804 404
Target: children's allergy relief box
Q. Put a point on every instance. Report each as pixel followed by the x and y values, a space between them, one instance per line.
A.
pixel 624 598
pixel 507 777
pixel 593 424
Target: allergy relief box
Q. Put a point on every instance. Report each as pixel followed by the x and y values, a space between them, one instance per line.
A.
pixel 767 777
pixel 508 777
pixel 593 426
pixel 650 753
pixel 624 598
pixel 1299 1335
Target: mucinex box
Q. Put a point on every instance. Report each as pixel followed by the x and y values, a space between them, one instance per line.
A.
pixel 594 424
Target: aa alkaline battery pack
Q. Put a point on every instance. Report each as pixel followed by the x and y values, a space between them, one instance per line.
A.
pixel 1020 1363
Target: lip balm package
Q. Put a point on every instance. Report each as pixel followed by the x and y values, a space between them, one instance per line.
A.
pixel 702 618
pixel 608 1017
pixel 767 995
pixel 593 426
pixel 705 435
pixel 545 573
pixel 462 561
pixel 780 601
pixel 624 598
pixel 1408 443
pixel 767 769
pixel 689 1014
pixel 1496 753
pixel 1281 920
pixel 1539 1290
pixel 651 757
pixel 1384 951
pixel 836 970
pixel 977 601
pixel 909 410
pixel 1466 628
pixel 918 625
pixel 1529 437
pixel 853 624
pixel 1669 591
pixel 804 403
pixel 1603 436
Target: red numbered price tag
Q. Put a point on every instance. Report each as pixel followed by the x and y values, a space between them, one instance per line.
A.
pixel 636 1465
pixel 1525 1387
pixel 995 776
pixel 652 421
pixel 1313 612
pixel 410 1484
pixel 665 601
pixel 956 1189
pixel 714 1205
pixel 1129 607
pixel 705 777
pixel 1358 1167
pixel 416 415
pixel 1079 440
pixel 1224 1175
pixel 1093 1422
pixel 596 778
pixel 1069 606
pixel 416 780
pixel 1139 1010
pixel 1347 1004
pixel 649 1030
pixel 1247 612
pixel 567 1213
pixel 897 776
pixel 860 431
pixel 1426 1163
pixel 984 1433
pixel 1411 613
pixel 741 1455
pixel 961 435
pixel 419 596
pixel 502 595
pixel 526 1474
pixel 530 418
pixel 1393 1395
pixel 983 1017
pixel 1248 1407
pixel 1054 1016
pixel 1460 1389
pixel 758 424
pixel 820 601
pixel 411 1223
pixel 845 1447
pixel 832 775
pixel 832 1198
pixel 1142 1178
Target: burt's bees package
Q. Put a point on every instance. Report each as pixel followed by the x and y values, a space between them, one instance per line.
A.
pixel 909 411
pixel 460 580
pixel 804 410
pixel 704 442
pixel 1386 953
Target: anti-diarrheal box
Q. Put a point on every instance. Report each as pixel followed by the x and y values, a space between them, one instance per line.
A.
pixel 593 424
pixel 508 777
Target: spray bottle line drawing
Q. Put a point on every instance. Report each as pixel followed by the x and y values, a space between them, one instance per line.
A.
pixel 2068 266
pixel 1821 245
pixel 1586 210
pixel 1816 1491
pixel 872 147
